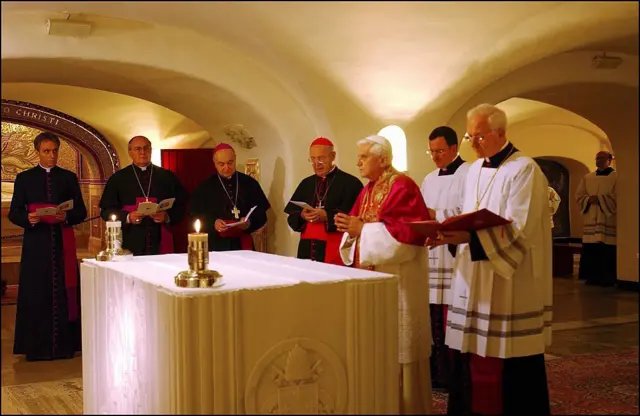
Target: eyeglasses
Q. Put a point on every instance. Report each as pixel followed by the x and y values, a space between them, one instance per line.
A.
pixel 141 149
pixel 437 152
pixel 319 161
pixel 468 138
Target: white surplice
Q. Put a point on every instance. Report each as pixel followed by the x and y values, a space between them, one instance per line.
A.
pixel 378 248
pixel 554 203
pixel 443 194
pixel 501 307
pixel 599 220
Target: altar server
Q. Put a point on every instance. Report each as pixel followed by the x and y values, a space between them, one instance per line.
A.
pixel 142 181
pixel 226 197
pixel 442 191
pixel 597 198
pixel 48 314
pixel 499 323
pixel 377 237
pixel 329 191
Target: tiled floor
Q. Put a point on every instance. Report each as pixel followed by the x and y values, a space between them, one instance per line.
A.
pixel 586 320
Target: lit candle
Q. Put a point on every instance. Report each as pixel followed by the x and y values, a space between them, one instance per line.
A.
pixel 113 223
pixel 198 250
pixel 198 236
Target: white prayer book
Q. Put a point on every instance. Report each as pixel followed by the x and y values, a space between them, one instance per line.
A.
pixel 65 206
pixel 166 204
pixel 234 224
pixel 302 205
pixel 150 208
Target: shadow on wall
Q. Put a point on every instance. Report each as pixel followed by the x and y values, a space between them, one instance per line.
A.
pixel 275 216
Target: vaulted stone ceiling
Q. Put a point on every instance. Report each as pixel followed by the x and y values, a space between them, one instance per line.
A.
pixel 394 58
pixel 371 62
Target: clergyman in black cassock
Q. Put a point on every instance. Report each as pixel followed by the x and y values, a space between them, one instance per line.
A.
pixel 226 197
pixel 48 310
pixel 137 183
pixel 329 191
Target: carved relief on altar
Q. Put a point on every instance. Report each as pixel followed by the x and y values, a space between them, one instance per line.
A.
pixel 298 376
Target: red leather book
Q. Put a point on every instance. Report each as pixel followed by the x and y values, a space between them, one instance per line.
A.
pixel 472 221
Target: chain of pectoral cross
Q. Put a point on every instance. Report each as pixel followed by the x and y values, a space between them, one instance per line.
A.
pixel 321 200
pixel 235 211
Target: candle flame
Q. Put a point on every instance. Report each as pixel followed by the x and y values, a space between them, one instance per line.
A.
pixel 113 218
pixel 197 226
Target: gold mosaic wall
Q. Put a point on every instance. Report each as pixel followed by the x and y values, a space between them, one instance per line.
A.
pixel 18 153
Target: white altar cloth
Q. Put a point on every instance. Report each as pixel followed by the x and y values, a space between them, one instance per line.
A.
pixel 282 335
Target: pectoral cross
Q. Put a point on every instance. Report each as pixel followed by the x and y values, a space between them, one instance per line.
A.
pixel 319 205
pixel 236 212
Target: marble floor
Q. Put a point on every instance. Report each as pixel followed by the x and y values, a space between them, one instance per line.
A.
pixel 586 320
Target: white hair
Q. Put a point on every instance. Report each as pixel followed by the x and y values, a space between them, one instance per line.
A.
pixel 496 118
pixel 380 146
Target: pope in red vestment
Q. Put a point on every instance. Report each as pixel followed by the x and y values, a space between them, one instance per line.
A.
pixel 377 237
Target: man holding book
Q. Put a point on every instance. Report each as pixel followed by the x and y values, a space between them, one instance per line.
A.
pixel 147 199
pixel 47 203
pixel 230 204
pixel 316 201
pixel 499 322
pixel 442 191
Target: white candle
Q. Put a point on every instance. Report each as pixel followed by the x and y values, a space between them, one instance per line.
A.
pixel 113 223
pixel 198 237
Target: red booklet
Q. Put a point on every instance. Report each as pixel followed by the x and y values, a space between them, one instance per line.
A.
pixel 473 221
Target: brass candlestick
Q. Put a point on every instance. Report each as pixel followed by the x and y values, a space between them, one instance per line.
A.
pixel 198 274
pixel 113 240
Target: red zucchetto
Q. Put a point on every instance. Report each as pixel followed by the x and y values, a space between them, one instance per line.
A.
pixel 221 146
pixel 322 141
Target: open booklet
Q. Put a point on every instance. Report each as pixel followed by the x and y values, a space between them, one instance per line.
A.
pixel 302 205
pixel 234 224
pixel 473 221
pixel 65 206
pixel 150 208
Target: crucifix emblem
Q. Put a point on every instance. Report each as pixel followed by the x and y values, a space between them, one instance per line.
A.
pixel 236 212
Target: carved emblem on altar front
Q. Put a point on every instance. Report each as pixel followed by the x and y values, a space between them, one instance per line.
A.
pixel 298 376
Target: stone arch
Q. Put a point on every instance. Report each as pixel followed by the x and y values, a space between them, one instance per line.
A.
pixel 559 70
pixel 154 71
pixel 199 81
pixel 83 136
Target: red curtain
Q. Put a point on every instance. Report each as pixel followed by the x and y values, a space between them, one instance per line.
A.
pixel 191 166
